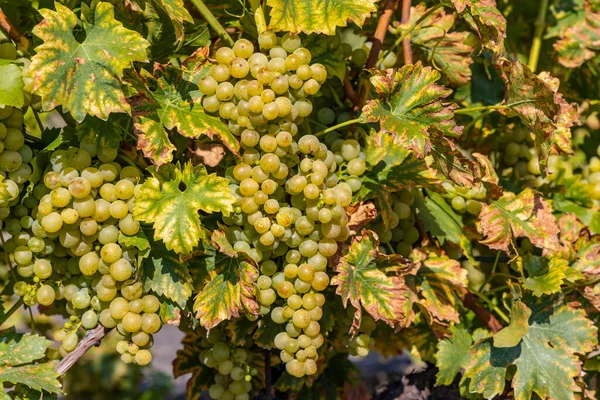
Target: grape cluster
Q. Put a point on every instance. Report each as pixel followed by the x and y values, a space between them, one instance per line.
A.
pixel 67 247
pixel 464 199
pixel 234 372
pixel 290 211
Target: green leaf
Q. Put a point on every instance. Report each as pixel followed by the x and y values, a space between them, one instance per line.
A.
pixel 524 215
pixel 18 352
pixel 579 42
pixel 511 335
pixel 105 133
pixel 361 279
pixel 485 19
pixel 317 16
pixel 447 51
pixel 171 199
pixel 441 221
pixel 11 86
pixel 167 100
pixel 545 359
pixel 536 101
pixel 452 355
pixel 166 276
pixel 176 10
pixel 139 241
pixel 411 105
pixel 545 276
pixel 436 285
pixel 84 78
pixel 327 51
pixel 230 288
pixel 372 188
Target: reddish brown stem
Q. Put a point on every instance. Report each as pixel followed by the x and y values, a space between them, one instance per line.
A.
pixel 92 338
pixel 406 49
pixel 349 90
pixel 482 314
pixel 13 33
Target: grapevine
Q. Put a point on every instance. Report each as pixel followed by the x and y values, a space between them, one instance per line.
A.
pixel 293 186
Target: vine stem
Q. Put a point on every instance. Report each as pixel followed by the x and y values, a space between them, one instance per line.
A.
pixel 406 48
pixel 540 25
pixel 212 21
pixel 13 33
pixel 492 107
pixel 92 338
pixel 12 310
pixel 481 312
pixel 494 307
pixel 340 125
pixel 409 30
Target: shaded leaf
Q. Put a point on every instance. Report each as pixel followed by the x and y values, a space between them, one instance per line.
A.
pixel 139 241
pixel 511 335
pixel 327 51
pixel 317 16
pixel 11 85
pixel 524 215
pixel 361 279
pixel 168 100
pixel 452 355
pixel 166 276
pixel 230 288
pixel 105 133
pixel 171 199
pixel 536 101
pixel 84 78
pixel 411 106
pixel 545 359
pixel 449 52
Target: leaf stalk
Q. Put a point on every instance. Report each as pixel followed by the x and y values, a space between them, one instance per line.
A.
pixel 540 25
pixel 335 127
pixel 212 21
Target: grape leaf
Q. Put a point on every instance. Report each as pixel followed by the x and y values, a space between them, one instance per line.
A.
pixel 166 276
pixel 372 189
pixel 511 335
pixel 485 19
pixel 18 352
pixel 387 147
pixel 452 355
pixel 361 278
pixel 581 40
pixel 447 51
pixel 11 85
pixel 5 195
pixel 176 10
pixel 435 286
pixel 171 199
pixel 167 100
pixel 186 361
pixel 545 358
pixel 317 16
pixel 545 276
pixel 230 289
pixel 411 106
pixel 139 241
pixel 84 78
pixel 524 215
pixel 105 133
pixel 588 259
pixel 536 101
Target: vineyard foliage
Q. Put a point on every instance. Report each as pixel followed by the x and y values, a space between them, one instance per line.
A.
pixel 293 183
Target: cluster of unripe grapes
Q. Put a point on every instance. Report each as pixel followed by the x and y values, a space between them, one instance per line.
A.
pixel 464 200
pixel 66 244
pixel 232 364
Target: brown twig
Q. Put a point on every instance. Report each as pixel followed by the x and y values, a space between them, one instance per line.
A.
pixel 380 31
pixel 13 33
pixel 92 338
pixel 482 314
pixel 406 49
pixel 349 90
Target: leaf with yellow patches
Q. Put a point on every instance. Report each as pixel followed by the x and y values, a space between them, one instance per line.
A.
pixel 84 78
pixel 166 276
pixel 172 198
pixel 545 276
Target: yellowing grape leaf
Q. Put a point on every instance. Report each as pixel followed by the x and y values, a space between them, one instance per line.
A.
pixel 511 335
pixel 581 40
pixel 545 358
pixel 166 276
pixel 165 101
pixel 436 285
pixel 176 10
pixel 449 52
pixel 411 106
pixel 171 199
pixel 230 288
pixel 374 281
pixel 485 19
pixel 18 354
pixel 452 354
pixel 11 85
pixel 536 101
pixel 318 16
pixel 524 215
pixel 387 147
pixel 84 78
pixel 545 276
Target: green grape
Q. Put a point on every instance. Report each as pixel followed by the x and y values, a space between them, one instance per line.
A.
pixel 143 357
pixel 70 341
pixel 45 295
pixel 458 203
